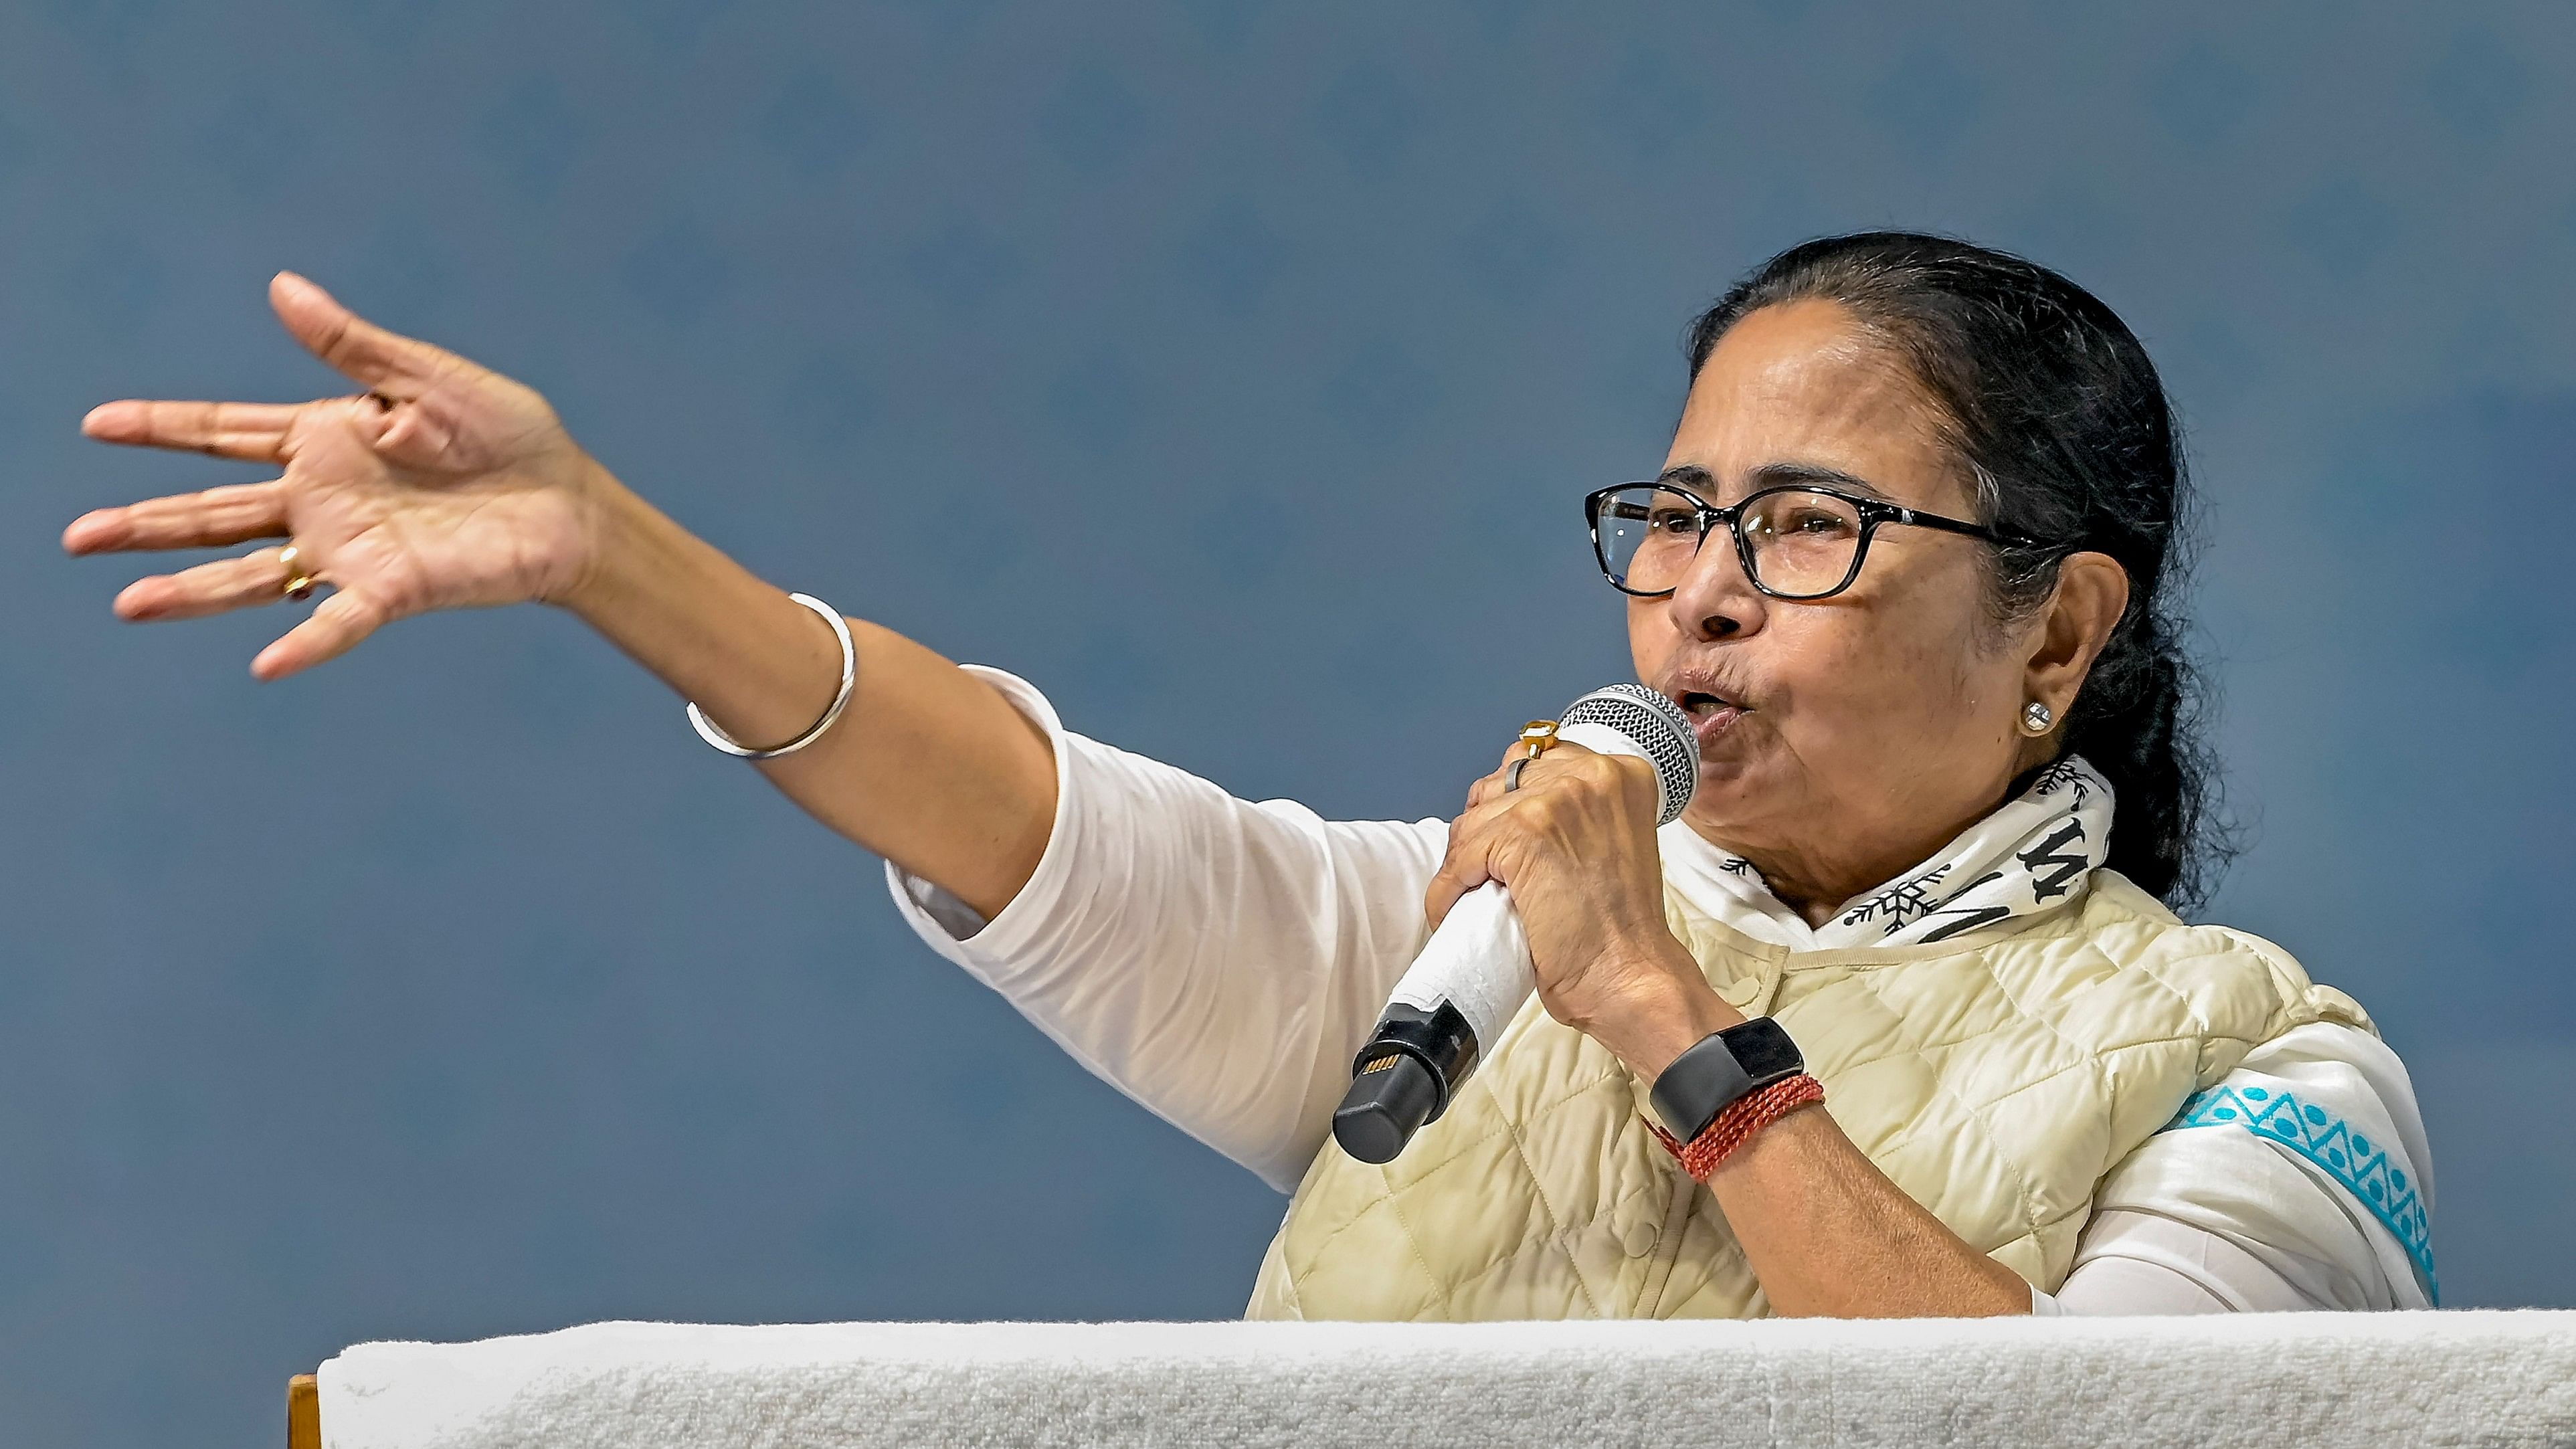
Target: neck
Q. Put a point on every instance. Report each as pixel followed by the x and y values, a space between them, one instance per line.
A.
pixel 1818 879
pixel 1816 889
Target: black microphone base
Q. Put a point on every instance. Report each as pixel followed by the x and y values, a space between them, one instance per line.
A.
pixel 1388 1102
pixel 1403 1078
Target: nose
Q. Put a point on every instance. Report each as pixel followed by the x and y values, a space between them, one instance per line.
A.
pixel 1715 599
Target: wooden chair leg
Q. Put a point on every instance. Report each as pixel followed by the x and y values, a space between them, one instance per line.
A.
pixel 303 1412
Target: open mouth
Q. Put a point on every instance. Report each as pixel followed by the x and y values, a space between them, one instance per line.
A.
pixel 1710 714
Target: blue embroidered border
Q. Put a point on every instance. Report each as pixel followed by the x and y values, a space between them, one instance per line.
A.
pixel 2323 1138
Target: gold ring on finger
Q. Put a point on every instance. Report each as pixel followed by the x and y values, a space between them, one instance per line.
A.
pixel 1540 736
pixel 299 582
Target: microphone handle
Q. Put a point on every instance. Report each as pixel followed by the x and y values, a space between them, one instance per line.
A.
pixel 1478 961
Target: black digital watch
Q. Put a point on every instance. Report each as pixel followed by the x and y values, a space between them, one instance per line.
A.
pixel 1721 1069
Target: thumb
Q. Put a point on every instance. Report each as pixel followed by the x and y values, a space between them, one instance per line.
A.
pixel 388 362
pixel 1462 869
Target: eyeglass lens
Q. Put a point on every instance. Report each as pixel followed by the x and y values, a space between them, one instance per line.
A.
pixel 1802 543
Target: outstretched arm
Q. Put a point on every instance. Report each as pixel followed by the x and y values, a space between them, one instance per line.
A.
pixel 445 485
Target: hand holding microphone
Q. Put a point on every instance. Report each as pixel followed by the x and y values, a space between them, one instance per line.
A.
pixel 1575 843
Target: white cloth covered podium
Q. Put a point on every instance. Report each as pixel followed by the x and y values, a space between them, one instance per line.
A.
pixel 2272 1380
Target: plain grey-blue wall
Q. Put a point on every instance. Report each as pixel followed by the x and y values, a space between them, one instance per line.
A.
pixel 1231 370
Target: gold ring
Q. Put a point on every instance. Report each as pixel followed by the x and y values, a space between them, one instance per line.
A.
pixel 1540 736
pixel 299 584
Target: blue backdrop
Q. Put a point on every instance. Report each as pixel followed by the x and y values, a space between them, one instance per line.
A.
pixel 458 990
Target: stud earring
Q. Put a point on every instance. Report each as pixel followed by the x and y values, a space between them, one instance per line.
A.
pixel 2037 717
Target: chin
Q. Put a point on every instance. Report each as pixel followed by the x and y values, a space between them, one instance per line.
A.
pixel 1727 794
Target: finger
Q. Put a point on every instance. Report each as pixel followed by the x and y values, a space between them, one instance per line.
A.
pixel 1631 775
pixel 215 518
pixel 209 588
pixel 1461 870
pixel 1490 786
pixel 337 625
pixel 1442 894
pixel 1495 786
pixel 1499 784
pixel 1575 773
pixel 253 432
pixel 1519 749
pixel 399 367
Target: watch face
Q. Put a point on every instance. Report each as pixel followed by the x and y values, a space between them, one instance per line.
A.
pixel 1764 1051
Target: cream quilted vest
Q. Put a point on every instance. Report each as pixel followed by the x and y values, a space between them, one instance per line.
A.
pixel 1996 1078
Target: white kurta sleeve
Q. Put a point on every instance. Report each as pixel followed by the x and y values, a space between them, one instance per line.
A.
pixel 1217 960
pixel 2301 1180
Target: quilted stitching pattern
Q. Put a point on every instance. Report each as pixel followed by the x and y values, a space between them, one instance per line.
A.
pixel 1997 1082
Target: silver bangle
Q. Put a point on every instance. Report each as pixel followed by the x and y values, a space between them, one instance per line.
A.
pixel 849 678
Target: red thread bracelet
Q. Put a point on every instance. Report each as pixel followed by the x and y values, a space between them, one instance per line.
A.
pixel 1736 1125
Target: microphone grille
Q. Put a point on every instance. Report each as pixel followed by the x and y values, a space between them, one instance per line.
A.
pixel 1658 727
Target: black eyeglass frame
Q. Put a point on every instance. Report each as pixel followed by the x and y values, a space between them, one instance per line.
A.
pixel 1872 511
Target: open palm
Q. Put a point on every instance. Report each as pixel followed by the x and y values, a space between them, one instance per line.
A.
pixel 444 485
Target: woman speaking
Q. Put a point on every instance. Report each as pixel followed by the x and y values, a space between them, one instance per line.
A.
pixel 1897 1018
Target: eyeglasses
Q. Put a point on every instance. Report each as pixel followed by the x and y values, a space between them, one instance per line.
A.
pixel 1796 542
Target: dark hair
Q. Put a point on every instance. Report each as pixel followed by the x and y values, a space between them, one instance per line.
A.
pixel 2067 435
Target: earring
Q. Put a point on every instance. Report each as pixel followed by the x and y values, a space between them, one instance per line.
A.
pixel 2037 717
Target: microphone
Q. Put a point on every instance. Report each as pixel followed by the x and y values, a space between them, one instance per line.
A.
pixel 1474 972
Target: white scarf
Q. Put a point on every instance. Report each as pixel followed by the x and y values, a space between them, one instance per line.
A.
pixel 2036 851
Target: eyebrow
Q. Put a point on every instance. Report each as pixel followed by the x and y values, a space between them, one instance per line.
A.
pixel 1776 475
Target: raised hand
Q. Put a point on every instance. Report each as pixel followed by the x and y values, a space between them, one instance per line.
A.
pixel 444 485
